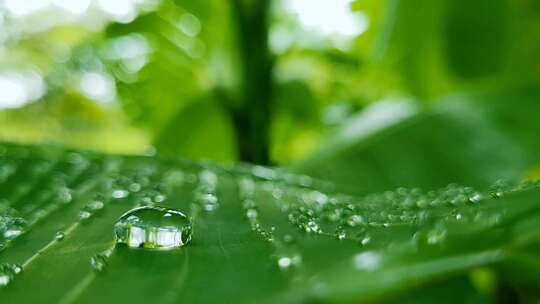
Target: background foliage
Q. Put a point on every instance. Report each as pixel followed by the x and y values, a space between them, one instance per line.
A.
pixel 161 75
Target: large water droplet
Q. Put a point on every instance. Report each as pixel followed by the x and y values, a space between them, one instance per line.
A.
pixel 154 228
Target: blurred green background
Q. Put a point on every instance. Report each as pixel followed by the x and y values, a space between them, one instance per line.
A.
pixel 270 82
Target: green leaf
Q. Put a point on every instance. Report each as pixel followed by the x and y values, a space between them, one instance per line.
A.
pixel 191 133
pixel 270 235
pixel 394 145
pixel 189 54
pixel 478 37
pixel 511 110
pixel 416 57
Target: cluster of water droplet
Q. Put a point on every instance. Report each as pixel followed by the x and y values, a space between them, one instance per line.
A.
pixel 92 207
pixel 11 225
pixel 8 272
pixel 98 262
pixel 137 183
pixel 360 218
pixel 280 177
pixel 205 192
pixel 247 192
pixel 285 253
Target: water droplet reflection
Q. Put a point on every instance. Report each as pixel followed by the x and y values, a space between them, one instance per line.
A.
pixel 153 228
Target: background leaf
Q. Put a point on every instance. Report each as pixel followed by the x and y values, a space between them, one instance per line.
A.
pixel 398 145
pixel 193 132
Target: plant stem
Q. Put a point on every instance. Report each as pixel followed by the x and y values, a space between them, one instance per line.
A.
pixel 251 117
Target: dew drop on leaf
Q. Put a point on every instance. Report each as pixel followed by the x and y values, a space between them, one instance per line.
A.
pixel 159 198
pixel 475 198
pixel 251 214
pixel 153 228
pixel 134 187
pixel 11 225
pixel 64 195
pixel 312 227
pixel 119 193
pixel 436 235
pixel 287 238
pixel 367 261
pixel 8 272
pixel 59 235
pixel 355 220
pixel 287 262
pixel 84 215
pixel 98 262
pixel 341 234
pixel 365 240
pixel 497 194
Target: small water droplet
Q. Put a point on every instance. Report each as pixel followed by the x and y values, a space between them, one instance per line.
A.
pixel 59 235
pixel 436 235
pixel 134 187
pixel 94 206
pixel 11 225
pixel 12 233
pixel 208 177
pixel 497 194
pixel 334 215
pixel 154 228
pixel 287 238
pixel 174 177
pixel 312 227
pixel 84 215
pixel 365 240
pixel 119 193
pixel 264 173
pixel 475 198
pixel 208 201
pixel 8 272
pixel 355 220
pixel 159 198
pixel 367 261
pixel 422 203
pixel 65 196
pixel 99 262
pixel 251 214
pixel 286 262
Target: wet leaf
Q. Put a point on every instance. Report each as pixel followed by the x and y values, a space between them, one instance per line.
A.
pixel 259 234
